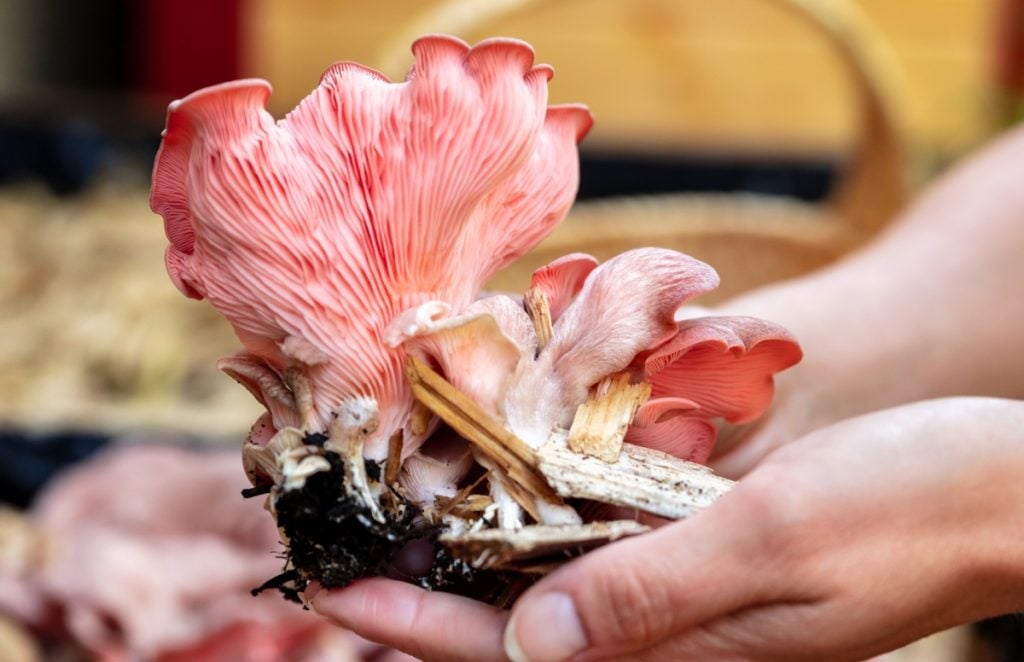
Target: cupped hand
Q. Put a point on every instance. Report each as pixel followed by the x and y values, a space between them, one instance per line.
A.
pixel 854 540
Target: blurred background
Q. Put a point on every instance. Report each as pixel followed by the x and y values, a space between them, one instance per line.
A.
pixel 767 137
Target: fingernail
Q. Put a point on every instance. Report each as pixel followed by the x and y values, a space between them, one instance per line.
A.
pixel 544 630
pixel 332 605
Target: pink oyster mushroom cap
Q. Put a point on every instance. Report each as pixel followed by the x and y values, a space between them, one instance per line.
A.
pixel 622 315
pixel 313 233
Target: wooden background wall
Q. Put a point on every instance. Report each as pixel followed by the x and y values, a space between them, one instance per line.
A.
pixel 732 74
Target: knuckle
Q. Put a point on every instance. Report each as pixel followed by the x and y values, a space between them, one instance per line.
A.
pixel 624 606
pixel 778 523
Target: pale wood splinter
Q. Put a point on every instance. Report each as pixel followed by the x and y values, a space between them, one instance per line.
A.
pixel 539 310
pixel 600 424
pixel 507 549
pixel 641 478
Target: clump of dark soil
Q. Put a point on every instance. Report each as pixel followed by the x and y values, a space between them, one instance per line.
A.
pixel 334 540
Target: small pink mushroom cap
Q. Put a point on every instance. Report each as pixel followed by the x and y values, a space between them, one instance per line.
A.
pixel 622 315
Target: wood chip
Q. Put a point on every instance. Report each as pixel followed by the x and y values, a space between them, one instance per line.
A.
pixel 472 507
pixel 600 423
pixel 539 310
pixel 641 478
pixel 394 461
pixel 390 492
pixel 528 547
pixel 419 418
pixel 464 499
pixel 510 454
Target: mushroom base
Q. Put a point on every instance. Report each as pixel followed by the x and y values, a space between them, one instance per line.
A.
pixel 332 539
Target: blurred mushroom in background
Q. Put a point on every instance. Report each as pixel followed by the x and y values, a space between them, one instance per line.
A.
pixel 148 552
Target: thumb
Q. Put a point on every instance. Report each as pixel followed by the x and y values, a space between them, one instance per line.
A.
pixel 634 593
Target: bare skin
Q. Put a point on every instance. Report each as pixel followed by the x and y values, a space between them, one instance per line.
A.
pixel 859 538
pixel 844 539
pixel 930 309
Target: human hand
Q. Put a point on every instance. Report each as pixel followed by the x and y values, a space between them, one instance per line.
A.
pixel 857 539
pixel 921 312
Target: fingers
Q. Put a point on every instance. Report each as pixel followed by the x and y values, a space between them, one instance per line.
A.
pixel 431 626
pixel 838 630
pixel 632 594
pixel 771 631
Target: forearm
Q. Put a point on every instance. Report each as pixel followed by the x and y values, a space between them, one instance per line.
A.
pixel 934 307
pixel 998 501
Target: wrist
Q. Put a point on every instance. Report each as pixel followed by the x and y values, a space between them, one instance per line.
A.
pixel 995 535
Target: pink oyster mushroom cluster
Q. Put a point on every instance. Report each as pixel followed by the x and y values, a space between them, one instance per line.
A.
pixel 362 227
pixel 313 233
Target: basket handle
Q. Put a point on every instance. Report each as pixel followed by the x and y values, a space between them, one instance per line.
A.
pixel 873 185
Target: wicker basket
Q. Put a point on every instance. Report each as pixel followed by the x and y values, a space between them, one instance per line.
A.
pixel 750 239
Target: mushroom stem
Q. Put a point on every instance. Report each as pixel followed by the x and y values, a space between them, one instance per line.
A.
pixel 346 435
pixel 510 513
